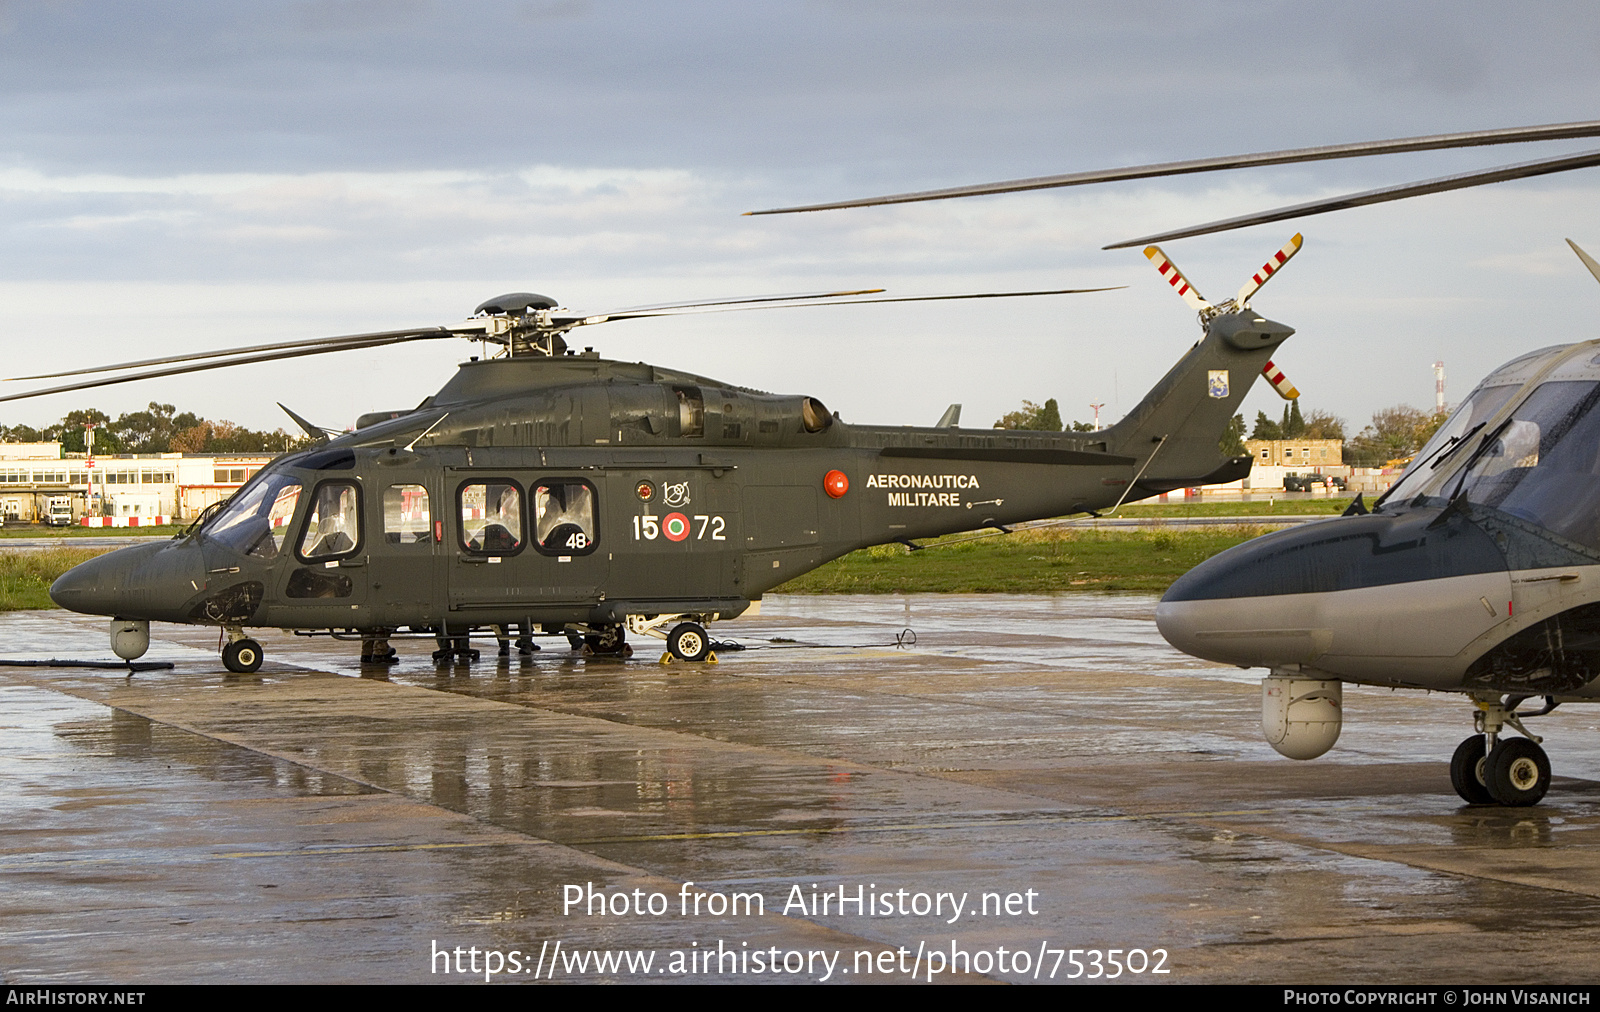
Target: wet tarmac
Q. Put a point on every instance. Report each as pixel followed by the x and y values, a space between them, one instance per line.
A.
pixel 1048 763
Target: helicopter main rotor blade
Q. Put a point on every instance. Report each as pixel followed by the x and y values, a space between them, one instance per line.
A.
pixel 340 341
pixel 1432 142
pixel 567 316
pixel 1521 170
pixel 847 302
pixel 179 370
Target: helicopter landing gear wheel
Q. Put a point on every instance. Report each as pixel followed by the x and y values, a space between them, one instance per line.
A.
pixel 607 641
pixel 242 657
pixel 688 642
pixel 1467 771
pixel 1517 772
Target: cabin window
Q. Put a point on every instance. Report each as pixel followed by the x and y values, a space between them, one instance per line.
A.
pixel 564 517
pixel 406 520
pixel 491 517
pixel 334 527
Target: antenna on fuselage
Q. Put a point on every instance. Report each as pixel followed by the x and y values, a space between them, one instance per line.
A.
pixel 1588 261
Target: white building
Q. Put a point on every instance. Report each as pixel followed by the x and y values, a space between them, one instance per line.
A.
pixel 176 485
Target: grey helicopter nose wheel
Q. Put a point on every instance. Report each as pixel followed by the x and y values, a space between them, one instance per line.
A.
pixel 1467 771
pixel 688 642
pixel 242 656
pixel 1517 772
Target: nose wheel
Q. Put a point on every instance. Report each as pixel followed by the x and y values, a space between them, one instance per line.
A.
pixel 242 656
pixel 1488 769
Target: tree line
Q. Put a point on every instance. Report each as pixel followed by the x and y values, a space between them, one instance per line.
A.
pixel 158 429
pixel 1394 433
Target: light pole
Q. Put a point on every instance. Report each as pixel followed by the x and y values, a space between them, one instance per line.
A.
pixel 88 466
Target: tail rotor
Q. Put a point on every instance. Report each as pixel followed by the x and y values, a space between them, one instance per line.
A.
pixel 1185 288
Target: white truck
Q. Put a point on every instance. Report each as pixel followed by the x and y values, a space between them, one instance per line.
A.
pixel 58 511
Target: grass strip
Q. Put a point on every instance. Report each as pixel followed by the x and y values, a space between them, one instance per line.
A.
pixel 1047 561
pixel 1270 507
pixel 79 531
pixel 25 577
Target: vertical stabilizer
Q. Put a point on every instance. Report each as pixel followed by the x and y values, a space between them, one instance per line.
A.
pixel 1187 412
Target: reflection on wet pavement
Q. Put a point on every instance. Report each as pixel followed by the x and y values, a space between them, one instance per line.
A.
pixel 307 824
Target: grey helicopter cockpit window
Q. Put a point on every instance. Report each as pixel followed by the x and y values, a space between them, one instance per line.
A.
pixel 256 521
pixel 1446 446
pixel 1543 463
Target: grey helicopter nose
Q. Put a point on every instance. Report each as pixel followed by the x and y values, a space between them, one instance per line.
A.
pixel 1292 596
pixel 142 581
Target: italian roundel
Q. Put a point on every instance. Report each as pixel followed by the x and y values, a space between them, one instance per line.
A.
pixel 675 526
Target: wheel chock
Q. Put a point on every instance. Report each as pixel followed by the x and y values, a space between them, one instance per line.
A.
pixel 666 658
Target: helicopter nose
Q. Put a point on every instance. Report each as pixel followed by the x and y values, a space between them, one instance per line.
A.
pixel 142 581
pixel 1245 631
pixel 1420 584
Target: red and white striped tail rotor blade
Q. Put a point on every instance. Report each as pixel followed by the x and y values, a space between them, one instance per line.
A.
pixel 1175 278
pixel 1279 381
pixel 1268 269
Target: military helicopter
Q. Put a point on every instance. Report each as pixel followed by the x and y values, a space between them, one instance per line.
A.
pixel 1477 572
pixel 545 491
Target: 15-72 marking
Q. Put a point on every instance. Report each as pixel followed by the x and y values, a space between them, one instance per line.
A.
pixel 648 528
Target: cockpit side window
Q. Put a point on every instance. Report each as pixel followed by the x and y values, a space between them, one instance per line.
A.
pixel 1543 464
pixel 491 517
pixel 564 517
pixel 333 529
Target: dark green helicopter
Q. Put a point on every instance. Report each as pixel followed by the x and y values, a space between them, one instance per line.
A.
pixel 545 491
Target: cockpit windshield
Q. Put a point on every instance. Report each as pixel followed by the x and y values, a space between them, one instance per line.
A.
pixel 257 519
pixel 1452 437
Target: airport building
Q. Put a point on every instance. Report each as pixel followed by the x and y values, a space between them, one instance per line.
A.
pixel 1307 454
pixel 38 480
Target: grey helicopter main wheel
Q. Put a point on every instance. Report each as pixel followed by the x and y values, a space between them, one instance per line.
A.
pixel 1517 772
pixel 242 656
pixel 688 642
pixel 1467 771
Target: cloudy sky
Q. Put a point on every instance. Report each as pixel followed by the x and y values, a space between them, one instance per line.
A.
pixel 181 176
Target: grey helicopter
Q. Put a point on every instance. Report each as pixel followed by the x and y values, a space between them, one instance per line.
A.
pixel 1477 572
pixel 544 491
